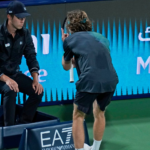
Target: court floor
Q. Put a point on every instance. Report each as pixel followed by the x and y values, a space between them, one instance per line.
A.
pixel 127 127
pixel 125 135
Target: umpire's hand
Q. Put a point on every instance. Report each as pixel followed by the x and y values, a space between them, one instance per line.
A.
pixel 36 85
pixel 10 82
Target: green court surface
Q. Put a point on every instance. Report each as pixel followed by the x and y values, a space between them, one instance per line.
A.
pixel 127 124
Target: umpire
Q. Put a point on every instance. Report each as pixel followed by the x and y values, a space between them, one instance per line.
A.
pixel 16 41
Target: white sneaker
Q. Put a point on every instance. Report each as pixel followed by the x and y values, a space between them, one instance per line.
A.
pixel 87 147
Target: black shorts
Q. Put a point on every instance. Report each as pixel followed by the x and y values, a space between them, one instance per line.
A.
pixel 85 100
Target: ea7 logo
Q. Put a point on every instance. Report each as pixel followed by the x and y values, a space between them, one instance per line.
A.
pixel 62 138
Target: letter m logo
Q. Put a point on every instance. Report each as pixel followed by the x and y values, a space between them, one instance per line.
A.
pixel 140 63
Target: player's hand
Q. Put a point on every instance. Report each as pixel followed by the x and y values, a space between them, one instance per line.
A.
pixel 74 62
pixel 64 35
pixel 12 84
pixel 37 87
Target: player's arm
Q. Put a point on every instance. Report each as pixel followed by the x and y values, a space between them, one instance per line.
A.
pixel 66 64
pixel 74 62
pixel 67 57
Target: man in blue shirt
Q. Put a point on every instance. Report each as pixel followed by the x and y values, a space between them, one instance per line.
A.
pixel 89 52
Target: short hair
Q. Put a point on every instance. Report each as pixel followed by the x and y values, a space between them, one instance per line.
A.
pixel 77 20
pixel 11 15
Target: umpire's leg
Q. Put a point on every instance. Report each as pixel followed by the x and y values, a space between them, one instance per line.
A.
pixel 9 104
pixel 30 106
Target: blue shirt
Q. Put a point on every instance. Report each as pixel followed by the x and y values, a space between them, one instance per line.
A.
pixel 93 62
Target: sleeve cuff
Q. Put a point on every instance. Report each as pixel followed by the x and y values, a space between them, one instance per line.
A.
pixel 34 70
pixel 67 59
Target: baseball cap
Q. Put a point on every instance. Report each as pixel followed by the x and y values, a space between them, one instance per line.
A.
pixel 18 9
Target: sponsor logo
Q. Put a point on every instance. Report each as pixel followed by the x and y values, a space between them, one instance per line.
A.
pixel 46 43
pixel 64 147
pixel 60 137
pixel 144 39
pixel 141 63
pixel 7 45
pixel 42 73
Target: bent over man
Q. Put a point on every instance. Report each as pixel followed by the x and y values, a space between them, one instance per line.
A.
pixel 89 52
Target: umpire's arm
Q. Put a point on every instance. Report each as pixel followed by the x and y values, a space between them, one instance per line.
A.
pixel 30 54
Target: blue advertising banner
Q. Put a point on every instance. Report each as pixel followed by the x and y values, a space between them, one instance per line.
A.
pixel 127 31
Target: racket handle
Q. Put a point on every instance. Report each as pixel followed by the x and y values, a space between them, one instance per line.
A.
pixel 71 75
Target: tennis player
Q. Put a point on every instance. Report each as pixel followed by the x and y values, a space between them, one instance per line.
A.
pixel 89 52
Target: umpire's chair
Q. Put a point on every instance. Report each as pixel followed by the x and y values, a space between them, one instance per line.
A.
pixel 1 109
pixel 10 135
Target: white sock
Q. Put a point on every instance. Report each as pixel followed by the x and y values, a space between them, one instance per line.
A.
pixel 79 149
pixel 96 145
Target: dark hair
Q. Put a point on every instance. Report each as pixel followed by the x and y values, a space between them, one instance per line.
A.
pixel 77 20
pixel 12 15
